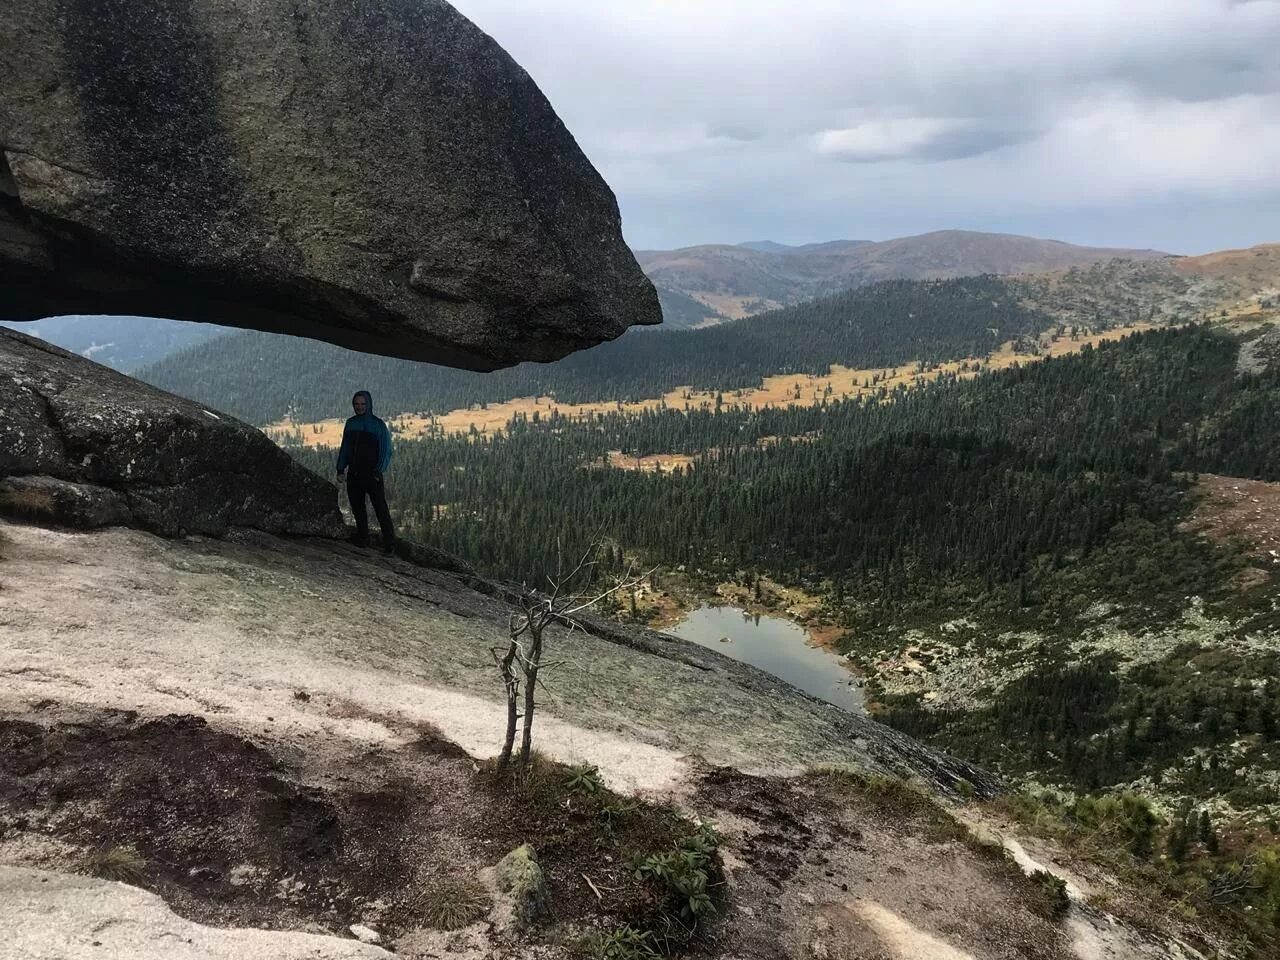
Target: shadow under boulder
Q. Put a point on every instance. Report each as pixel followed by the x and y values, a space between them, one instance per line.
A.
pixel 84 446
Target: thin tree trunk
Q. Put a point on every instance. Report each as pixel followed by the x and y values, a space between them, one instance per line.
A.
pixel 513 693
pixel 530 685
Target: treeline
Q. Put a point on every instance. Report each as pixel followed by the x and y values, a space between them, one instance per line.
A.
pixel 261 377
pixel 1004 486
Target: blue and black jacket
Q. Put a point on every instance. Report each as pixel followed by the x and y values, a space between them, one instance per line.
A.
pixel 366 441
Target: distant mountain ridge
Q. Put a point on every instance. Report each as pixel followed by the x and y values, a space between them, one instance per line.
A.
pixel 770 246
pixel 735 281
pixel 880 324
pixel 697 286
pixel 123 343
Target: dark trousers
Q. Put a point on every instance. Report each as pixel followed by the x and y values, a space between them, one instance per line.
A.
pixel 362 484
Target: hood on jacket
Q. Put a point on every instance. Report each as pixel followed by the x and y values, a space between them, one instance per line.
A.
pixel 368 400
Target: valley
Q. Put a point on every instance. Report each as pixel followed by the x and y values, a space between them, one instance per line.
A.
pixel 1010 558
pixel 908 595
pixel 778 390
pixel 1025 520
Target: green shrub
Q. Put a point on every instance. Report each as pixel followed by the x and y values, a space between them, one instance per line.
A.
pixel 682 879
pixel 451 906
pixel 624 943
pixel 1119 819
pixel 1054 901
pixel 584 778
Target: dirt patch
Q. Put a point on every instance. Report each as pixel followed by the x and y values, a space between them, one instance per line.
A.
pixel 230 835
pixel 776 850
pixel 233 833
pixel 851 870
pixel 825 635
pixel 1232 508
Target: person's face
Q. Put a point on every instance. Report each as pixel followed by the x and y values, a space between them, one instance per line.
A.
pixel 359 404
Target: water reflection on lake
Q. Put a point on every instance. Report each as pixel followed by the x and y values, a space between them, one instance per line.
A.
pixel 774 645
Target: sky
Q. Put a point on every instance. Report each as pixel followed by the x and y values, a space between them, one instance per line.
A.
pixel 1136 123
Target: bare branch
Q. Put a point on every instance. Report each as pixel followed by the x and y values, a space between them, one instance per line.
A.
pixel 620 585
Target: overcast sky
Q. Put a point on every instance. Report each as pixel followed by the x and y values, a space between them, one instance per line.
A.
pixel 1146 123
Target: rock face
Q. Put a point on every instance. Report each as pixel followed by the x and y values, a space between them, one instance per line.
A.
pixel 380 175
pixel 1259 354
pixel 85 446
pixel 46 916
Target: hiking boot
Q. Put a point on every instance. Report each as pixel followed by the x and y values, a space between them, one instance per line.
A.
pixel 358 541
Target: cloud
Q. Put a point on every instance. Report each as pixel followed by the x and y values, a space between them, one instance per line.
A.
pixel 1121 148
pixel 792 119
pixel 915 138
pixel 741 133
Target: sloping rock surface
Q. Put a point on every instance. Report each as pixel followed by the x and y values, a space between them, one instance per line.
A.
pixel 85 446
pixel 52 916
pixel 383 645
pixel 380 175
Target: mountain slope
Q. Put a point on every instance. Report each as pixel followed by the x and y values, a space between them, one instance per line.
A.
pixel 883 324
pixel 741 280
pixel 123 343
pixel 682 312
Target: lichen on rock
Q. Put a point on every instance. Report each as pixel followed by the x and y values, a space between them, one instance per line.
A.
pixel 520 878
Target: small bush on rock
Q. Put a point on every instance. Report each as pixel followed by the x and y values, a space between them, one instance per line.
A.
pixel 1054 901
pixel 451 906
pixel 120 862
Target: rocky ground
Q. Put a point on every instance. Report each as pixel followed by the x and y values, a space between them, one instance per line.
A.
pixel 289 736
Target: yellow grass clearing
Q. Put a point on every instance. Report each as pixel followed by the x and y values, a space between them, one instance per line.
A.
pixel 788 390
pixel 651 463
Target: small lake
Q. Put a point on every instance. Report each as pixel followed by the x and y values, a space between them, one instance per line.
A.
pixel 776 646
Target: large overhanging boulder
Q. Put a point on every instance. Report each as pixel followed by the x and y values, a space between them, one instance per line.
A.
pixel 376 173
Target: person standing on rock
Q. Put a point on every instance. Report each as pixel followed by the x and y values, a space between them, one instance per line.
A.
pixel 362 460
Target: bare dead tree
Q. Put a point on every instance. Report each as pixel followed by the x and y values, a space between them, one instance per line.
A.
pixel 571 590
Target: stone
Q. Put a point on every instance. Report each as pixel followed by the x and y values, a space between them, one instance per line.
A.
pixel 365 934
pixel 520 878
pixel 79 505
pixel 379 175
pixel 84 446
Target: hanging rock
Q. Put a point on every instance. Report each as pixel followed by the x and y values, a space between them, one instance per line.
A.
pixel 379 175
